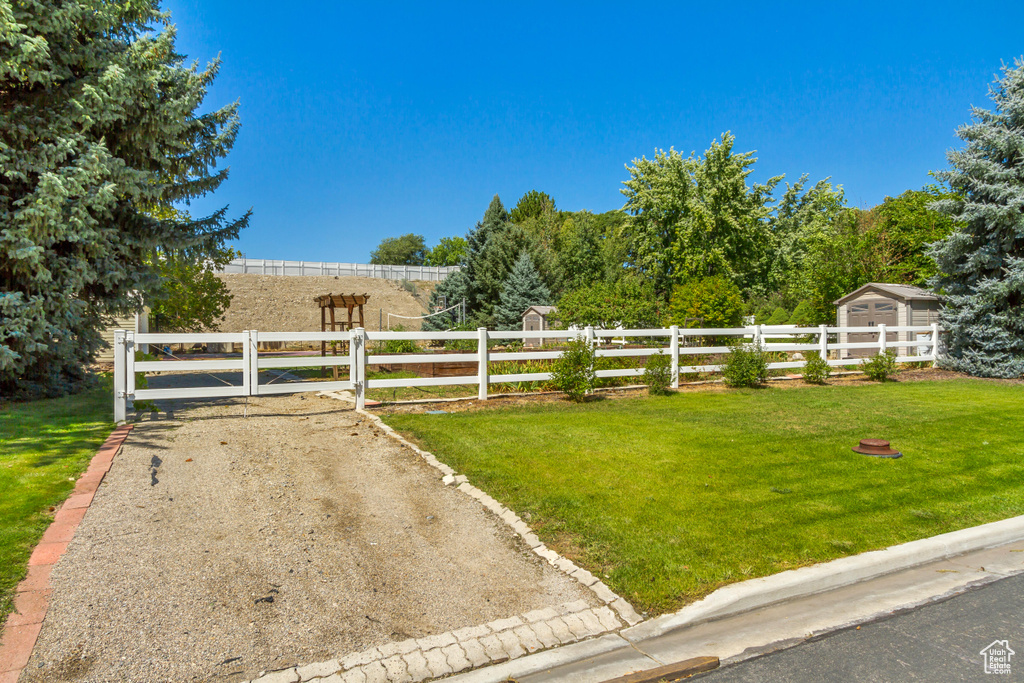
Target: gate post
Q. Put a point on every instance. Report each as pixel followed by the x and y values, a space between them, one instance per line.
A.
pixel 483 373
pixel 120 378
pixel 935 344
pixel 252 368
pixel 675 356
pixel 589 331
pixel 357 365
pixel 129 370
pixel 823 342
pixel 881 339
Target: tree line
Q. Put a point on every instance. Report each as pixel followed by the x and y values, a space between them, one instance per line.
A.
pixel 104 137
pixel 695 244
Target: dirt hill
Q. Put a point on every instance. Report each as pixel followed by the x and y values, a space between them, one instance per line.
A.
pixel 277 303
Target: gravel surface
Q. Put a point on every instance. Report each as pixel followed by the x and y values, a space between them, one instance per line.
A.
pixel 219 547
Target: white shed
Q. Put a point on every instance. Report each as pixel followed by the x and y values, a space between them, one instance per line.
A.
pixel 879 303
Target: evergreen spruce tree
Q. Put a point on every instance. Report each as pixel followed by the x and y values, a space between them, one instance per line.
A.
pixel 494 221
pixel 499 259
pixel 981 263
pixel 100 132
pixel 450 291
pixel 522 288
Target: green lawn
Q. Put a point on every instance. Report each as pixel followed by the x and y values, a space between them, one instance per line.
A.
pixel 44 446
pixel 668 498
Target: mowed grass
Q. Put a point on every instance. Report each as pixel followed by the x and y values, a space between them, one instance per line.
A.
pixel 44 446
pixel 668 498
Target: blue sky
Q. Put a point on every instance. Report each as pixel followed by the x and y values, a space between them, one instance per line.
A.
pixel 369 120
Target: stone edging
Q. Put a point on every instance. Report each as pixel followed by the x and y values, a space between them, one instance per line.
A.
pixel 32 596
pixel 418 659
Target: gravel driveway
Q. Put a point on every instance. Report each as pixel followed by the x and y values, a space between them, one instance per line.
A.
pixel 220 546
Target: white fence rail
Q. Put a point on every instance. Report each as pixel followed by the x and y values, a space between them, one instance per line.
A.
pixel 278 267
pixel 921 343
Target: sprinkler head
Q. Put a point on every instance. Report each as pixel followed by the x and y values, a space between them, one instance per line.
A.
pixel 878 448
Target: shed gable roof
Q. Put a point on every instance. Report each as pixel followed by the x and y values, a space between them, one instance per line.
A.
pixel 901 292
pixel 542 310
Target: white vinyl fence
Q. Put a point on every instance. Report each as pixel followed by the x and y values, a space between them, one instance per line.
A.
pixel 278 267
pixel 678 343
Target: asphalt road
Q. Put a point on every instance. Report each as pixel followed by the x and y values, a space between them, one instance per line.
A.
pixel 937 643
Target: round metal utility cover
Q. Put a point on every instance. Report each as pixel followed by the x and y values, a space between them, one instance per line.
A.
pixel 878 448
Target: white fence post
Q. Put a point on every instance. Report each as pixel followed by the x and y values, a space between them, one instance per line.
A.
pixel 483 374
pixel 357 365
pixel 881 339
pixel 589 331
pixel 675 356
pixel 823 341
pixel 247 362
pixel 935 342
pixel 757 337
pixel 252 368
pixel 129 370
pixel 120 378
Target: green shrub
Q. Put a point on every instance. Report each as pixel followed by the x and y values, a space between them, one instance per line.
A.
pixel 658 374
pixel 804 315
pixel 517 367
pixel 612 363
pixel 715 301
pixel 573 371
pixel 630 302
pixel 142 382
pixel 398 345
pixel 881 366
pixel 464 345
pixel 745 366
pixel 817 369
pixel 780 316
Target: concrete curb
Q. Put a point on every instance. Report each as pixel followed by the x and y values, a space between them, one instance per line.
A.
pixel 32 595
pixel 796 583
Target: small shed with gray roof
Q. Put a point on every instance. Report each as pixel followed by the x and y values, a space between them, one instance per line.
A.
pixel 538 318
pixel 879 303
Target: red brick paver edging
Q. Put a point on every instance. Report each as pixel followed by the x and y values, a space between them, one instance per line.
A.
pixel 32 596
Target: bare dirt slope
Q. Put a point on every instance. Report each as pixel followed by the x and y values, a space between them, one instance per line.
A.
pixel 220 546
pixel 285 303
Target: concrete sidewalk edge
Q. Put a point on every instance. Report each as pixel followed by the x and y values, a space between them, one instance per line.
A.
pixel 797 583
pixel 754 594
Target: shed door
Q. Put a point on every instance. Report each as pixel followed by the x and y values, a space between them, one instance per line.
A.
pixel 871 314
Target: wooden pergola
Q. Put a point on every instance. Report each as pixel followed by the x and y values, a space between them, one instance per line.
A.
pixel 328 303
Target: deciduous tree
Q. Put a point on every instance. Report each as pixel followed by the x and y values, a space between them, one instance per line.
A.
pixel 407 250
pixel 708 302
pixel 696 217
pixel 450 251
pixel 905 228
